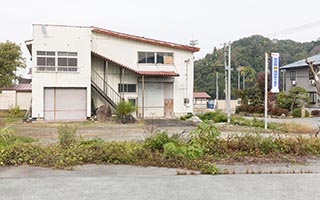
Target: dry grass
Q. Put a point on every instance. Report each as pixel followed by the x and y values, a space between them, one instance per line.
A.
pixel 300 128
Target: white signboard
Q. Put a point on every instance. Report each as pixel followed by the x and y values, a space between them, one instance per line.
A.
pixel 275 72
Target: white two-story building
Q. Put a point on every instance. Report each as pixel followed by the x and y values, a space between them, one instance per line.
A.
pixel 76 69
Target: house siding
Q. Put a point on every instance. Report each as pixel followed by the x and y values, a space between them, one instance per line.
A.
pixel 302 79
pixel 55 38
pixel 126 51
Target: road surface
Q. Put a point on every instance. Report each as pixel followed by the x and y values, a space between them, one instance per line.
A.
pixel 125 182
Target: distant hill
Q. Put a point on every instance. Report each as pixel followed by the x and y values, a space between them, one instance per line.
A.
pixel 247 51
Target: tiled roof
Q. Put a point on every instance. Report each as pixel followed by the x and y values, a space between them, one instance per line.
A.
pixel 20 87
pixel 146 40
pixel 201 95
pixel 302 63
pixel 145 73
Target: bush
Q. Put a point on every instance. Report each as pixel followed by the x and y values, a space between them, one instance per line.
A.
pixel 297 112
pixel 67 135
pixel 209 168
pixel 217 116
pixel 124 110
pixel 315 113
pixel 187 116
pixel 279 111
pixel 204 134
pixel 15 111
pixel 250 109
pixel 158 140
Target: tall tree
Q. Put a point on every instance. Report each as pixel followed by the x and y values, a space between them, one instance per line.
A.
pixel 316 77
pixel 10 60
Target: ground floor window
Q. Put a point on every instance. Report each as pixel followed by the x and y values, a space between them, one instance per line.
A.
pixel 313 97
pixel 132 101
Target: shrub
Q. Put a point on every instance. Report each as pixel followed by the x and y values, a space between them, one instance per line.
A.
pixel 296 112
pixel 306 114
pixel 259 109
pixel 209 168
pixel 67 135
pixel 315 113
pixel 216 116
pixel 158 140
pixel 15 111
pixel 124 110
pixel 279 111
pixel 171 149
pixel 251 109
pixel 187 116
pixel 204 134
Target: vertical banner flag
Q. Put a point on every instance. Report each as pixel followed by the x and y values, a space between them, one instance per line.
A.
pixel 275 72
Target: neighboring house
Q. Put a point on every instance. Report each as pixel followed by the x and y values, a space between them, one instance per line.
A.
pixel 76 69
pixel 17 95
pixel 200 99
pixel 298 74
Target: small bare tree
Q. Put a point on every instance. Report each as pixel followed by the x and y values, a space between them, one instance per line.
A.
pixel 316 76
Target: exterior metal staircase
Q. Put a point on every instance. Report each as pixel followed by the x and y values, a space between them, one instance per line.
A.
pixel 104 89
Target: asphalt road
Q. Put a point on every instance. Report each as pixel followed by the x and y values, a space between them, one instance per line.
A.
pixel 137 183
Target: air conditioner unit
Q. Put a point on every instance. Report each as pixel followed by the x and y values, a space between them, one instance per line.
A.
pixel 294 83
pixel 312 82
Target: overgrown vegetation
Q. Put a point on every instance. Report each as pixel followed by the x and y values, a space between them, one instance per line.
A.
pixel 7 138
pixel 124 110
pixel 200 151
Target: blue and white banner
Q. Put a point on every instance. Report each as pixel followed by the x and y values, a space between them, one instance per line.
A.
pixel 275 72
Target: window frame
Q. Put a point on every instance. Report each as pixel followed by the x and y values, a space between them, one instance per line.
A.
pixel 46 55
pixel 68 56
pixel 156 55
pixel 293 75
pixel 124 87
pixel 55 55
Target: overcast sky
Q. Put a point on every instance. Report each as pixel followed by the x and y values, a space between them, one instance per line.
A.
pixel 211 22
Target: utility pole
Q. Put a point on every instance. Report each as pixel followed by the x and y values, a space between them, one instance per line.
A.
pixel 217 86
pixel 238 77
pixel 229 83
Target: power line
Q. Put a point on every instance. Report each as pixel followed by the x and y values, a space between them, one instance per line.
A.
pixel 295 29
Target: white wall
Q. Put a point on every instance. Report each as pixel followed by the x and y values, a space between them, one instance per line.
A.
pixel 61 38
pixel 7 99
pixel 112 76
pixel 125 52
pixel 24 100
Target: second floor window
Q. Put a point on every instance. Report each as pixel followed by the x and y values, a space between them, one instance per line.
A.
pixel 67 59
pixel 46 58
pixel 293 75
pixel 57 61
pixel 155 57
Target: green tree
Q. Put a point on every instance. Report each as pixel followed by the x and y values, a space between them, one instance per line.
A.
pixel 296 97
pixel 10 60
pixel 299 96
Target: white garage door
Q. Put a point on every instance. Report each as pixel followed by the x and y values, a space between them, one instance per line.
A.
pixel 65 103
pixel 153 99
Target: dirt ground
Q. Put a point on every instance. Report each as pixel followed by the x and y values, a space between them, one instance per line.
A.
pixel 47 132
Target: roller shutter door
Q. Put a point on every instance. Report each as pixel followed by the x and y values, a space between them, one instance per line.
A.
pixel 65 103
